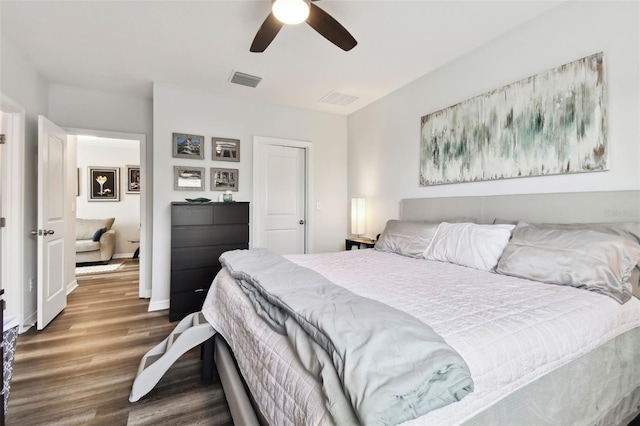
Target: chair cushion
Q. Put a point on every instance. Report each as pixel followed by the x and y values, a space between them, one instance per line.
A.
pixel 87 245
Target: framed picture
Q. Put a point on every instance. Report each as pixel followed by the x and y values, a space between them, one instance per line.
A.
pixel 224 179
pixel 78 183
pixel 188 146
pixel 133 179
pixel 104 183
pixel 188 178
pixel 226 149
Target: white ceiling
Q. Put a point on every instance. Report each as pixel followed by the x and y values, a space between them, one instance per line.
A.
pixel 125 46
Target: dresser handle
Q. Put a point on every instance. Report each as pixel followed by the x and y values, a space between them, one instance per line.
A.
pixel 199 290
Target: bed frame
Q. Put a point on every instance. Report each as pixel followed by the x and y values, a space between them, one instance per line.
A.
pixel 577 207
pixel 574 207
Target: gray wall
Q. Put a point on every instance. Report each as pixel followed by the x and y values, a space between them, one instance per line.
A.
pixel 20 81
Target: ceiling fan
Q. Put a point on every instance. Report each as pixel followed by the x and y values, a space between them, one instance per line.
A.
pixel 293 12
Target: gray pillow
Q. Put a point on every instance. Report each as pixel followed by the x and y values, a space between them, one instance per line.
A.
pixel 629 230
pixel 406 237
pixel 635 281
pixel 411 238
pixel 581 258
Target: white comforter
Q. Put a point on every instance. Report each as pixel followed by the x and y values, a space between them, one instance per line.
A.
pixel 509 331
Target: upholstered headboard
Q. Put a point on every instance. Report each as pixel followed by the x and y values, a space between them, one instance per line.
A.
pixel 576 207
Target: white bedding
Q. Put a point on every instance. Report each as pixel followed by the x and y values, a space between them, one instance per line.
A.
pixel 510 331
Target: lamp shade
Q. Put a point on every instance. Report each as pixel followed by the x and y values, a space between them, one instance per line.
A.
pixel 357 216
pixel 290 11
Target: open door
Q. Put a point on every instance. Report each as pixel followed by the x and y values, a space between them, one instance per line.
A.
pixel 52 295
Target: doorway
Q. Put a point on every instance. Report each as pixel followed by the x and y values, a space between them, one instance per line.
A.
pixel 124 154
pixel 118 162
pixel 12 202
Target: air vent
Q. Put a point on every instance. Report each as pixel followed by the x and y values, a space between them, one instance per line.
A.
pixel 335 98
pixel 245 79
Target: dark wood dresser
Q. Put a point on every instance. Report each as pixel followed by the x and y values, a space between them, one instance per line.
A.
pixel 200 233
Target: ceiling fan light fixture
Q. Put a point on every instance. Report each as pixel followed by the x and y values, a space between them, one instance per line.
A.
pixel 291 12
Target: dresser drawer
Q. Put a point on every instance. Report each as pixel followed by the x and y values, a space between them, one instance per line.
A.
pixel 230 213
pixel 196 236
pixel 192 279
pixel 200 257
pixel 192 214
pixel 182 304
pixel 209 214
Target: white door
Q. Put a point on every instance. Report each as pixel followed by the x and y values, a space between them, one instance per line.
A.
pixel 280 198
pixel 4 130
pixel 52 296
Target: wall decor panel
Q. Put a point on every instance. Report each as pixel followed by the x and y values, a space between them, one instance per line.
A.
pixel 551 123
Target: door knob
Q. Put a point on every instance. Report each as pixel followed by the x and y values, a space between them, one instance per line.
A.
pixel 43 232
pixel 301 222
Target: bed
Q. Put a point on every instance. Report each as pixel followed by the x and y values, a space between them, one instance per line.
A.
pixel 538 353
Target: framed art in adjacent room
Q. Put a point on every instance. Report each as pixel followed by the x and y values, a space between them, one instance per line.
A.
pixel 188 146
pixel 226 149
pixel 133 179
pixel 104 183
pixel 224 179
pixel 188 178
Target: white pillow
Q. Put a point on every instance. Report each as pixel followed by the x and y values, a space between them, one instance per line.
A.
pixel 469 244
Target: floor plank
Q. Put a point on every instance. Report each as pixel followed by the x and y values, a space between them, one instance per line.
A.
pixel 79 369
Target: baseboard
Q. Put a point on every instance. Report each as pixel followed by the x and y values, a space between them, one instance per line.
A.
pixel 28 322
pixel 158 305
pixel 72 286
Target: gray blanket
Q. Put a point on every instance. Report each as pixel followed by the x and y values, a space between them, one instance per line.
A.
pixel 377 365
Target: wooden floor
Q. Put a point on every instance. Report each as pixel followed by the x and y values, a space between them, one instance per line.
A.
pixel 79 370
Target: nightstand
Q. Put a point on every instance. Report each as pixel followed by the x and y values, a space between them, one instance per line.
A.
pixel 361 243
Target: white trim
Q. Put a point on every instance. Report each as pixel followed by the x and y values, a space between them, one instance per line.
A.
pixel 158 305
pixel 308 150
pixel 29 322
pixel 72 286
pixel 13 276
pixel 144 270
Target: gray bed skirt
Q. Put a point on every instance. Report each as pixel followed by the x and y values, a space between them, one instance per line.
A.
pixel 590 390
pixel 585 391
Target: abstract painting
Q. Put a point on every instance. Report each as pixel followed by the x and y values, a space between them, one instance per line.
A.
pixel 551 123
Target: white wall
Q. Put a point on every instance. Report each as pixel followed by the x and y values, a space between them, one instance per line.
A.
pixel 119 153
pixel 20 81
pixel 182 110
pixel 384 138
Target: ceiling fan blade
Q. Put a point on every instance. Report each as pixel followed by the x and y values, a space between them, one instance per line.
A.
pixel 330 29
pixel 267 32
